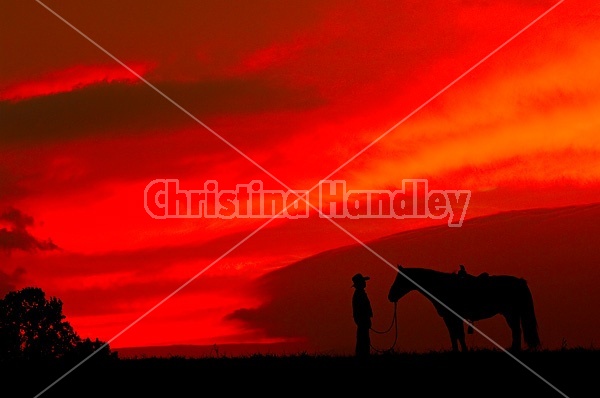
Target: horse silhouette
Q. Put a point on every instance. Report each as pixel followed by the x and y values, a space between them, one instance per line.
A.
pixel 473 298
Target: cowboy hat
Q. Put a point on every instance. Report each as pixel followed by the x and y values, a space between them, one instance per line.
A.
pixel 359 278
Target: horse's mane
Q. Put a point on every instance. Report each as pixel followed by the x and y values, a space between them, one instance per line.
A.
pixel 432 272
pixel 427 272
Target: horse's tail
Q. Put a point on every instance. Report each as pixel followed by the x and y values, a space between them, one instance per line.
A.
pixel 528 319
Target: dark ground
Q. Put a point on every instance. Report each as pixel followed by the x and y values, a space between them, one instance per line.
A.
pixel 439 374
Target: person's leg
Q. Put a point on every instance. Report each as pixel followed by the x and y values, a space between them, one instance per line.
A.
pixel 363 344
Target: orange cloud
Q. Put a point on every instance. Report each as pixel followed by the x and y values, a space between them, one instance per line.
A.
pixel 536 103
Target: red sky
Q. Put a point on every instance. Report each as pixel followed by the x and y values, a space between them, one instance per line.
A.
pixel 300 88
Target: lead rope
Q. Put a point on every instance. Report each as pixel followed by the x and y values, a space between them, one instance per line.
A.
pixel 394 323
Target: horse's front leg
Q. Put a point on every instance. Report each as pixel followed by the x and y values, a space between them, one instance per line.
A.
pixel 461 338
pixel 452 331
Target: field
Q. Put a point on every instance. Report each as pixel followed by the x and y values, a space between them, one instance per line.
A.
pixel 437 374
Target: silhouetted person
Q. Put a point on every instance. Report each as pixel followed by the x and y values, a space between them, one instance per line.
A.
pixel 362 313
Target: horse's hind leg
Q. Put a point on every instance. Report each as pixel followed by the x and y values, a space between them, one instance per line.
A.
pixel 453 330
pixel 514 322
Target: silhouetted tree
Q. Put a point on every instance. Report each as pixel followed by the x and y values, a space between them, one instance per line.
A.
pixel 33 327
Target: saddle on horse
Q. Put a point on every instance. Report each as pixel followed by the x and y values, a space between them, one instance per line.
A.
pixel 471 284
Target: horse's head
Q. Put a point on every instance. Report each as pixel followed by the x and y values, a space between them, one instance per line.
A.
pixel 400 287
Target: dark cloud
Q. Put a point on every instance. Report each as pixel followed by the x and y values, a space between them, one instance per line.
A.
pixel 117 108
pixel 16 218
pixel 17 237
pixel 9 280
